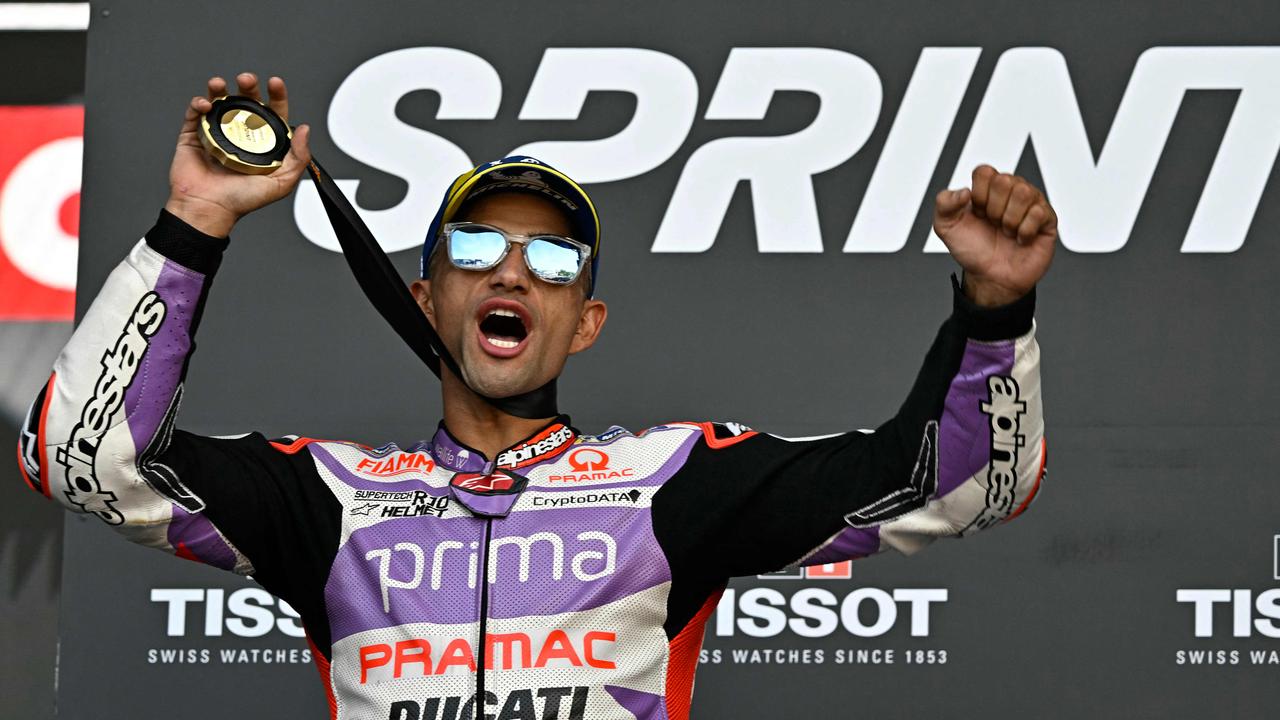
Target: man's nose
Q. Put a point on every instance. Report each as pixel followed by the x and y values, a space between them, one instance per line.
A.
pixel 512 273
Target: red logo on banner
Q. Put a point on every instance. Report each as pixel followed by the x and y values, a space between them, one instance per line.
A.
pixel 39 211
pixel 842 570
pixel 831 571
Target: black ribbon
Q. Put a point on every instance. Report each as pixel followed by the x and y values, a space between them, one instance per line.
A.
pixel 383 286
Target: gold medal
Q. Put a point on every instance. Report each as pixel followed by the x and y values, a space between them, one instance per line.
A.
pixel 245 135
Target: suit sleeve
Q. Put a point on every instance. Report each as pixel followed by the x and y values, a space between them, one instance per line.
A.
pixel 100 436
pixel 965 452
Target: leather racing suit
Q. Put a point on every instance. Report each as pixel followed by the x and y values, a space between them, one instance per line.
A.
pixel 571 576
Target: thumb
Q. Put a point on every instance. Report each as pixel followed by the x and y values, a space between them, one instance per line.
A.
pixel 191 120
pixel 299 146
pixel 949 205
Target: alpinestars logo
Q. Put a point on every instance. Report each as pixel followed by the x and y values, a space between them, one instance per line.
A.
pixel 1005 409
pixel 536 449
pixel 119 366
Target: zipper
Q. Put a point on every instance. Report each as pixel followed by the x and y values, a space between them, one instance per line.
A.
pixel 482 645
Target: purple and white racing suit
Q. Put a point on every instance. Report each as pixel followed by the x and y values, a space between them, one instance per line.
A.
pixel 569 577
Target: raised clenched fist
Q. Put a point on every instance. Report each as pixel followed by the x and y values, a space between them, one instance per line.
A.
pixel 1002 231
pixel 212 198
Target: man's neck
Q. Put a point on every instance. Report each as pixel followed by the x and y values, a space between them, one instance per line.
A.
pixel 477 424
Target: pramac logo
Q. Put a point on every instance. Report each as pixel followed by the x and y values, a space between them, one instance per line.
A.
pixel 589 459
pixel 591 464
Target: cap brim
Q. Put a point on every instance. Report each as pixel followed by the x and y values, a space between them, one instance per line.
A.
pixel 528 175
pixel 537 179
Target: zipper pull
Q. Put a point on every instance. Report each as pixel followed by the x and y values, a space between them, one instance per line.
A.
pixel 488 495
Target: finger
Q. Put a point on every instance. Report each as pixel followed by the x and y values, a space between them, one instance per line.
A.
pixel 217 87
pixel 248 84
pixel 295 163
pixel 981 186
pixel 278 97
pixel 299 151
pixel 1034 222
pixel 998 197
pixel 1050 226
pixel 1021 197
pixel 950 204
pixel 191 120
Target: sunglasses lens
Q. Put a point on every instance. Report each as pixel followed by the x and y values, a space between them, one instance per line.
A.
pixel 475 248
pixel 554 260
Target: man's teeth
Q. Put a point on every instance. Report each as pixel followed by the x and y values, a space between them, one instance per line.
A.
pixel 501 340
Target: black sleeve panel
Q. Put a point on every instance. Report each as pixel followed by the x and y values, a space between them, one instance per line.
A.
pixel 273 506
pixel 175 239
pixel 992 323
pixel 758 503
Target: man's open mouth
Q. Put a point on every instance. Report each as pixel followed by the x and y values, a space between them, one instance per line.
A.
pixel 504 326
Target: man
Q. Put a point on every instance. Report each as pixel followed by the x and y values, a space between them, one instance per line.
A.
pixel 512 567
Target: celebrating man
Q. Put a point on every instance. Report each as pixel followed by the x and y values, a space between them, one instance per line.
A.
pixel 510 566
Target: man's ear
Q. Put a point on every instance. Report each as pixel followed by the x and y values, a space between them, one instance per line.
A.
pixel 594 313
pixel 421 290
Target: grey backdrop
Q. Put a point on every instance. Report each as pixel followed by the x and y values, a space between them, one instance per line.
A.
pixel 1157 364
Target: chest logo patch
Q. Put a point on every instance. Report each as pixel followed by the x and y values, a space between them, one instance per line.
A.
pixel 588 464
pixel 398 464
pixel 488 494
pixel 537 448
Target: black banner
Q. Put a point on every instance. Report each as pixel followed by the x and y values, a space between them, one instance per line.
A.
pixel 765 175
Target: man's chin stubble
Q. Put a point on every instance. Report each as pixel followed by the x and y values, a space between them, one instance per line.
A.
pixel 492 382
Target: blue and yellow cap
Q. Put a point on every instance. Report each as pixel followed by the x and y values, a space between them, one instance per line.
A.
pixel 520 173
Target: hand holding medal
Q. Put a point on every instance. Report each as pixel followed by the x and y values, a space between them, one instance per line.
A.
pixel 209 185
pixel 236 154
